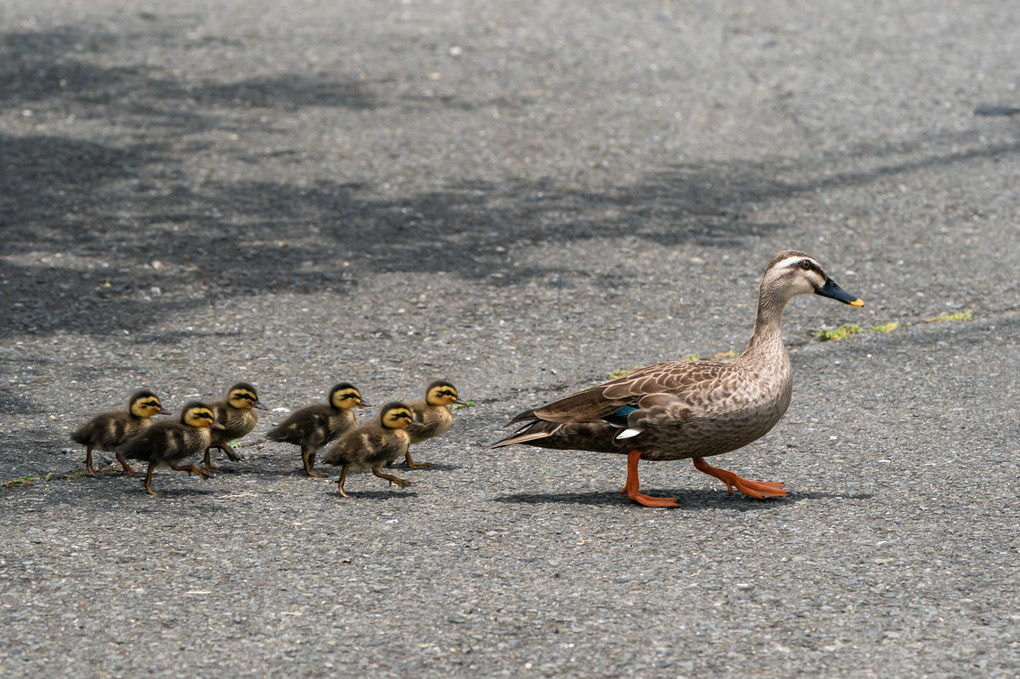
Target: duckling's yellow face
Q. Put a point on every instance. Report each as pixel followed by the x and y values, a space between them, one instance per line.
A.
pixel 346 398
pixel 199 417
pixel 396 417
pixel 442 394
pixel 243 398
pixel 147 406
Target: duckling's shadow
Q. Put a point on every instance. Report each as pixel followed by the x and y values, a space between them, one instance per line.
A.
pixel 374 495
pixel 182 492
pixel 687 499
pixel 432 467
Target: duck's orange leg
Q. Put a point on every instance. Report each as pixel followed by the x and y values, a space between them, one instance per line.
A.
pixel 630 488
pixel 758 489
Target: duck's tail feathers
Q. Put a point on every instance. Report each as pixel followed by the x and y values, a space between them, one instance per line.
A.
pixel 526 433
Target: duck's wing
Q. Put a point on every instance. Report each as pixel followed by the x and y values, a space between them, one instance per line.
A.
pixel 676 379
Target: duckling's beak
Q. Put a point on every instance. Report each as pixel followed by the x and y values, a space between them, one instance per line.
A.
pixel 362 404
pixel 832 289
pixel 458 402
pixel 164 411
pixel 216 425
pixel 415 424
pixel 256 404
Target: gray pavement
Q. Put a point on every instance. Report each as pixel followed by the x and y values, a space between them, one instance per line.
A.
pixel 519 197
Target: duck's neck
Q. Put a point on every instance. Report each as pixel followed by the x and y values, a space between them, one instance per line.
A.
pixel 767 339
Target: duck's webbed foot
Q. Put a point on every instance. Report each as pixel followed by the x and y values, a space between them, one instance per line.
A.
pixel 630 488
pixel 758 489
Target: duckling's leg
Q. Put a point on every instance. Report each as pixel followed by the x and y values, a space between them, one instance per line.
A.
pixel 630 488
pixel 343 477
pixel 124 463
pixel 758 489
pixel 308 458
pixel 88 462
pixel 148 479
pixel 191 469
pixel 403 483
pixel 411 464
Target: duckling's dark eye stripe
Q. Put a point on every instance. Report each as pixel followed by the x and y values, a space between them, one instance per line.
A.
pixel 154 404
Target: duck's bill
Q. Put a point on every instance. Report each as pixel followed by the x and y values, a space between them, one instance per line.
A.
pixel 831 289
pixel 364 405
pixel 164 411
pixel 217 425
pixel 415 424
pixel 258 405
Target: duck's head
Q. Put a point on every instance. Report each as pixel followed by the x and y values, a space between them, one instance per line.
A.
pixel 345 396
pixel 441 393
pixel 243 395
pixel 146 404
pixel 396 415
pixel 792 273
pixel 198 414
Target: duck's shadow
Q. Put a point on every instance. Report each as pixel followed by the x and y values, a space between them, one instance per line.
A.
pixel 687 499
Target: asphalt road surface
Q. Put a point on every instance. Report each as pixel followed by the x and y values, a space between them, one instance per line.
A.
pixel 521 198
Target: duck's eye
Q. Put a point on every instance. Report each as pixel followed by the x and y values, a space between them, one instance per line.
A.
pixel 805 264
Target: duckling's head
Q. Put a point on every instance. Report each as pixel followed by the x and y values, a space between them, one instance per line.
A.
pixel 146 404
pixel 345 396
pixel 198 414
pixel 792 273
pixel 396 415
pixel 441 393
pixel 243 395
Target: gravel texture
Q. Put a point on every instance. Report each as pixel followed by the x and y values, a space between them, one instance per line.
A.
pixel 521 198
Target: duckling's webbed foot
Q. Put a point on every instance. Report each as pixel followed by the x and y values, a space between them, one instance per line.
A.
pixel 308 458
pixel 124 465
pixel 395 480
pixel 630 488
pixel 88 463
pixel 191 469
pixel 229 450
pixel 758 489
pixel 148 480
pixel 207 463
pixel 411 464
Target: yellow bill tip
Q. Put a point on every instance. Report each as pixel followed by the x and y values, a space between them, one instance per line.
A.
pixel 857 302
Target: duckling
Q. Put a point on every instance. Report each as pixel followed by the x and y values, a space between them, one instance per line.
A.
pixel 433 412
pixel 690 409
pixel 106 431
pixel 314 426
pixel 371 445
pixel 169 442
pixel 238 417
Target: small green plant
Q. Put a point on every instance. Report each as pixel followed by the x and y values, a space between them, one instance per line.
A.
pixel 886 327
pixel 620 373
pixel 20 481
pixel 966 315
pixel 691 357
pixel 732 353
pixel 458 406
pixel 840 333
